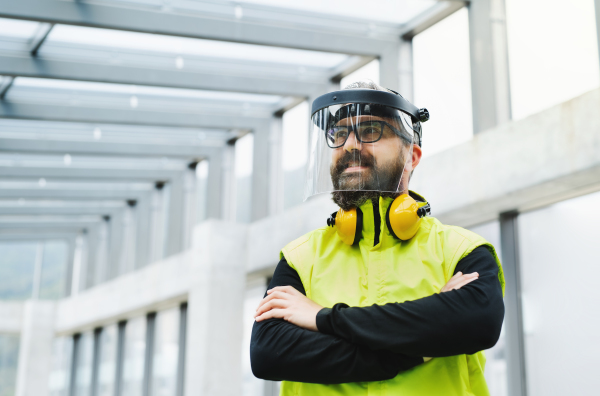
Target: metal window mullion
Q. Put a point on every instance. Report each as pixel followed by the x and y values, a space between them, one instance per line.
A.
pixel 515 343
pixel 74 358
pixel 149 355
pixel 120 357
pixel 96 361
pixel 181 356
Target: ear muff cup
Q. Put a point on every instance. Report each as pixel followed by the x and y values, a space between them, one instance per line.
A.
pixel 348 225
pixel 402 217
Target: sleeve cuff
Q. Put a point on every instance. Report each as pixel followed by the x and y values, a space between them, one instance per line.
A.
pixel 323 322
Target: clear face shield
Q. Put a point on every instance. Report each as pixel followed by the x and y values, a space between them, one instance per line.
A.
pixel 360 146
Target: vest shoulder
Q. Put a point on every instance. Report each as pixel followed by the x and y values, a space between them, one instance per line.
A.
pixel 303 240
pixel 451 232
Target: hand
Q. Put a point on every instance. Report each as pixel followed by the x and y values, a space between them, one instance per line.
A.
pixel 459 280
pixel 285 302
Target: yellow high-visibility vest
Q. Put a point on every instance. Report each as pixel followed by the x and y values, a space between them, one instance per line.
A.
pixel 392 271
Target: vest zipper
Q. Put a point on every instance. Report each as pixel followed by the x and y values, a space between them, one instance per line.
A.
pixel 377 220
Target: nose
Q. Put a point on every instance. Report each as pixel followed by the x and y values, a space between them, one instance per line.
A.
pixel 352 143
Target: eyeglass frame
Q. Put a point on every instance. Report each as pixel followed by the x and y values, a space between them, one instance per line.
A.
pixel 354 130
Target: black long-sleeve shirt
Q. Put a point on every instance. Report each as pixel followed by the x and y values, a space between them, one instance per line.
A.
pixel 375 343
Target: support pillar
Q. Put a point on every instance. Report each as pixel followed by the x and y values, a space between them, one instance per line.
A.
pixel 490 82
pixel 157 224
pixel 214 185
pixel 189 204
pixel 80 261
pixel 175 216
pixel 513 322
pixel 276 166
pixel 35 348
pixel 227 183
pixel 127 261
pixel 405 63
pixel 101 268
pixel 389 67
pixel 213 361
pixel 260 171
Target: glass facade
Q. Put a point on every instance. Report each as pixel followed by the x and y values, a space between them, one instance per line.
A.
pixel 9 358
pixel 106 370
pixel 134 357
pixel 166 353
pixel 60 372
pixel 560 295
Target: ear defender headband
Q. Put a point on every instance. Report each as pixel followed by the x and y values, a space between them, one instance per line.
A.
pixel 403 219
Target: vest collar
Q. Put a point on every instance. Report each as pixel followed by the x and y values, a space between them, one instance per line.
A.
pixel 371 217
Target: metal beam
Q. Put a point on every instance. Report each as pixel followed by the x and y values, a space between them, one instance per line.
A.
pixel 430 17
pixel 48 145
pixel 40 36
pixel 5 86
pixel 95 194
pixel 87 173
pixel 200 25
pixel 513 323
pixel 272 84
pixel 121 116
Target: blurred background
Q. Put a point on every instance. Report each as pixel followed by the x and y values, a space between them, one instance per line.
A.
pixel 152 164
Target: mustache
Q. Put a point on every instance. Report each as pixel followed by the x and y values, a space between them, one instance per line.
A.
pixel 363 159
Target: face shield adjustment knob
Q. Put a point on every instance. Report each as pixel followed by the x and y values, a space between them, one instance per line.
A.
pixel 424 211
pixel 423 115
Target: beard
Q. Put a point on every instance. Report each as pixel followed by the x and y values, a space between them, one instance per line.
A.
pixel 355 188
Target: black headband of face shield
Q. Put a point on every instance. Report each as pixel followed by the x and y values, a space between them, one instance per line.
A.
pixel 369 101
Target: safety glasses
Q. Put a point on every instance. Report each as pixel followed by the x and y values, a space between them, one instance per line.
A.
pixel 365 132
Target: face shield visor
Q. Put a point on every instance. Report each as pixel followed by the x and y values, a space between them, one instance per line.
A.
pixel 361 140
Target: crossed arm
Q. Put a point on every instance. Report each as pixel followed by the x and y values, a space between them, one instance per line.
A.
pixel 295 339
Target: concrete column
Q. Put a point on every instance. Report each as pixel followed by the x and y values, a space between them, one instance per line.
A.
pixel 174 244
pixel 101 267
pixel 276 166
pixel 214 185
pixel 116 243
pixel 157 224
pixel 405 62
pixel 597 5
pixel 213 354
pixel 80 261
pixel 490 83
pixel 35 348
pixel 127 261
pixel 260 171
pixel 37 271
pixel 142 233
pixel 227 183
pixel 389 67
pixel 189 204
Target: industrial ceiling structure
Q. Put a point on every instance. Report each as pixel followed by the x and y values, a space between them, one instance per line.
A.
pixel 111 111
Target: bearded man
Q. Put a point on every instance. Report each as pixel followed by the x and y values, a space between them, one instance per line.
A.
pixel 385 300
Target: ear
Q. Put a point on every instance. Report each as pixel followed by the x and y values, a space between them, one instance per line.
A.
pixel 416 156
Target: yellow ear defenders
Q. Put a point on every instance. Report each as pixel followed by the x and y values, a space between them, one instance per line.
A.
pixel 403 219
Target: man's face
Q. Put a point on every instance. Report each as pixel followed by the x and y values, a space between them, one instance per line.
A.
pixel 374 166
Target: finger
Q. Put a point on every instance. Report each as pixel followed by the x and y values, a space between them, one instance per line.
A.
pixel 459 277
pixel 463 283
pixel 271 305
pixel 284 289
pixel 275 295
pixel 272 314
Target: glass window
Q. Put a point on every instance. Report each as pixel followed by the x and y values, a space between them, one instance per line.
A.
pixel 495 367
pixel 442 82
pixel 17 261
pixel 553 52
pixel 166 353
pixel 134 357
pixel 560 296
pixel 294 153
pixel 244 157
pixel 9 357
pixel 60 372
pixel 84 360
pixel 107 361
